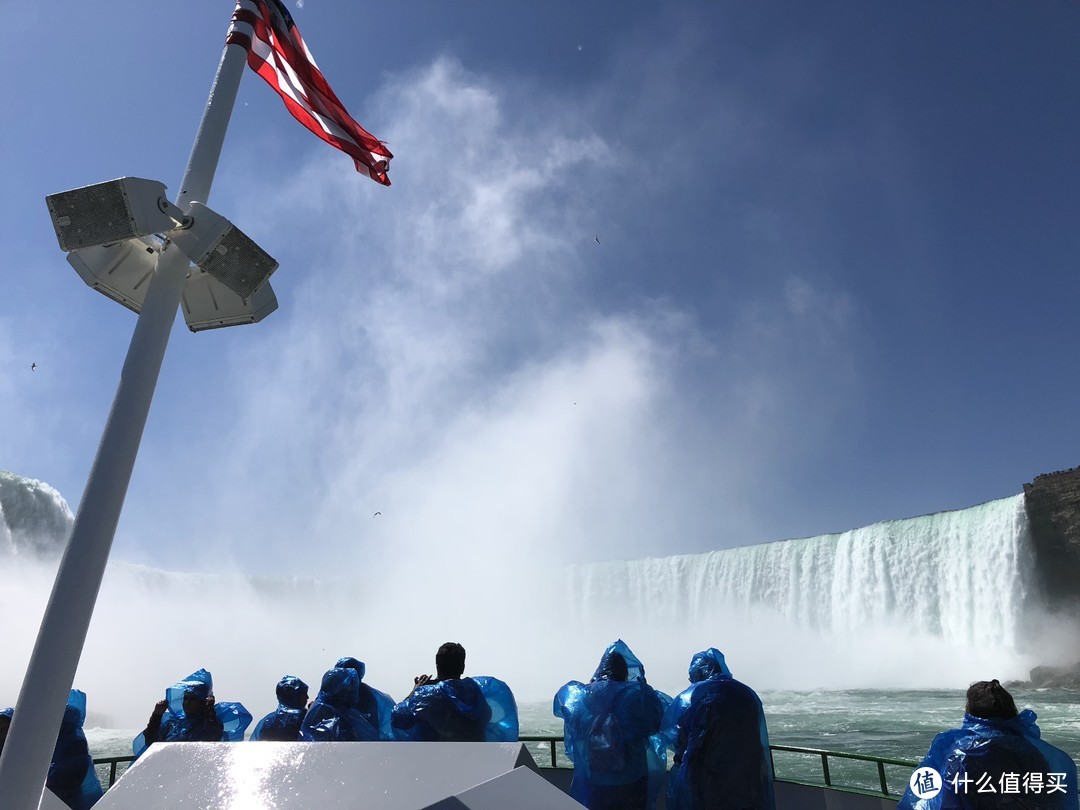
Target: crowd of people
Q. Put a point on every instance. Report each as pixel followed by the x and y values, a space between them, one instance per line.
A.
pixel 617 732
pixel 444 707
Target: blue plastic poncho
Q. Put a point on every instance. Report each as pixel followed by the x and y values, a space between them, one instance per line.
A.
pixel 228 723
pixel 376 706
pixel 502 725
pixel 982 752
pixel 480 709
pixel 333 716
pixel 716 727
pixel 611 734
pixel 283 724
pixel 708 664
pixel 71 774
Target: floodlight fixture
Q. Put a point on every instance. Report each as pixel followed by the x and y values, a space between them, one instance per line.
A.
pixel 101 214
pixel 209 304
pixel 120 270
pixel 224 251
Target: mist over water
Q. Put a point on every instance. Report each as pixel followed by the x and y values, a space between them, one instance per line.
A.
pixel 152 627
pixel 935 601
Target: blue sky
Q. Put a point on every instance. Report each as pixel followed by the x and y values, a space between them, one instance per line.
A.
pixel 835 281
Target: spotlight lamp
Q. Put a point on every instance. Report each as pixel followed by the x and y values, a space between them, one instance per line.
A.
pixel 209 304
pixel 120 270
pixel 104 213
pixel 224 251
pixel 114 232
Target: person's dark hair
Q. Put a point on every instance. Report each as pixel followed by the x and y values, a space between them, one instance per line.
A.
pixel 989 699
pixel 614 668
pixel 449 661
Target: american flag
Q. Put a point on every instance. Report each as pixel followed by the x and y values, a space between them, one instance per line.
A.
pixel 277 52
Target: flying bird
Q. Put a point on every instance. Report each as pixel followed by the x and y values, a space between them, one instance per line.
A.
pixel 33 366
pixel 376 514
pixel 597 238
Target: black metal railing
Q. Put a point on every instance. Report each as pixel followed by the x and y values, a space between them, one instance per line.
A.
pixel 826 771
pixel 551 740
pixel 882 788
pixel 112 763
pixel 553 760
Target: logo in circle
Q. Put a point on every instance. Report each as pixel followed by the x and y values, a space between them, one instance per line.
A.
pixel 925 783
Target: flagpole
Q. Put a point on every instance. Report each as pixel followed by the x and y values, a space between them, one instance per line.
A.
pixel 27 752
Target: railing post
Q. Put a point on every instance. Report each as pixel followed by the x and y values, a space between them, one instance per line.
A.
pixel 881 775
pixel 825 769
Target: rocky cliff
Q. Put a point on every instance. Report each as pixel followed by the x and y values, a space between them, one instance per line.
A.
pixel 1052 502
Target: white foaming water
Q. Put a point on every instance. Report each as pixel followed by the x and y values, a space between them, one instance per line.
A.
pixel 936 601
pixel 34 518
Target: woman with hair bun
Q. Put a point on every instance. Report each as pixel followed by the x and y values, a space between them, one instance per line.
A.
pixel 996 759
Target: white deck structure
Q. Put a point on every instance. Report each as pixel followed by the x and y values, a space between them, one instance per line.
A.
pixel 374 776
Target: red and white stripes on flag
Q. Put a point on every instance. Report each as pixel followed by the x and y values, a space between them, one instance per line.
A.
pixel 277 52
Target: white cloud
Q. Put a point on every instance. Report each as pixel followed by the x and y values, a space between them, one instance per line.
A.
pixel 433 339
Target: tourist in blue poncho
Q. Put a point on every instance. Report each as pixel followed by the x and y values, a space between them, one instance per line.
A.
pixel 716 727
pixel 452 708
pixel 376 706
pixel 611 727
pixel 996 759
pixel 283 724
pixel 71 773
pixel 189 713
pixel 333 716
pixel 72 777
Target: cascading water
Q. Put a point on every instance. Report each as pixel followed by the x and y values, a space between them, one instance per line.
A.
pixel 932 601
pixel 959 576
pixel 910 601
pixel 34 517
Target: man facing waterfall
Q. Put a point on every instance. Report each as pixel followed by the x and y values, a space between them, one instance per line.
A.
pixel 610 727
pixel 716 727
pixel 451 707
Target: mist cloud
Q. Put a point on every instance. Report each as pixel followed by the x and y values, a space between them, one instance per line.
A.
pixel 441 356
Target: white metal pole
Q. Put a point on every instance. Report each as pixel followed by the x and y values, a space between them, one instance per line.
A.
pixel 27 753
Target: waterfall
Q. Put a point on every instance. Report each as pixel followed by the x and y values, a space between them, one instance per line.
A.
pixel 34 518
pixel 952 582
pixel 939 600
